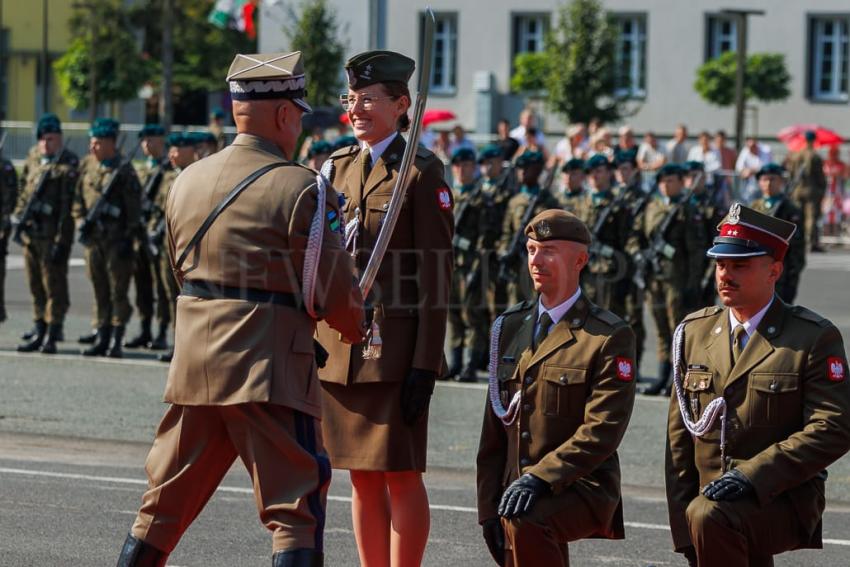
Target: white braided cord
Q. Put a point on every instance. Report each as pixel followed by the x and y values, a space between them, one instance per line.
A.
pixel 509 415
pixel 313 251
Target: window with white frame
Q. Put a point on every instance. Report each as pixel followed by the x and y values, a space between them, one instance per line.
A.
pixel 631 55
pixel 530 33
pixel 444 63
pixel 829 58
pixel 721 36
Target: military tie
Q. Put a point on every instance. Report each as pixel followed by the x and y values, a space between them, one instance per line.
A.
pixel 738 343
pixel 543 325
pixel 365 164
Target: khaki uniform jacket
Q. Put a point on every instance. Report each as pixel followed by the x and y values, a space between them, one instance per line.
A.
pixel 52 219
pixel 788 400
pixel 576 403
pixel 806 172
pixel 411 291
pixel 611 236
pixel 124 207
pixel 233 351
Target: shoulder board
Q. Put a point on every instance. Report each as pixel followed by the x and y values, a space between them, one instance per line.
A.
pixel 809 315
pixel 424 152
pixel 702 313
pixel 346 151
pixel 606 316
pixel 523 306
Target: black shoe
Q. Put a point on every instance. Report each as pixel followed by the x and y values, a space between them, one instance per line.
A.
pixel 662 384
pixel 298 558
pixel 35 341
pixel 817 248
pixel 477 360
pixel 456 365
pixel 33 331
pixel 469 374
pixel 161 340
pixel 101 345
pixel 137 553
pixel 49 344
pixel 166 356
pixel 115 344
pixel 143 338
pixel 88 339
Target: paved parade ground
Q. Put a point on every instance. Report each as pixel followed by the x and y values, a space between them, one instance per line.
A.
pixel 74 433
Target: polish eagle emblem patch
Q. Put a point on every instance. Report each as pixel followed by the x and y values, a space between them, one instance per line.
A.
pixel 444 198
pixel 625 369
pixel 835 369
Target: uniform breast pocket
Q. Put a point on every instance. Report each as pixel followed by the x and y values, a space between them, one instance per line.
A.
pixel 563 390
pixel 508 382
pixel 772 395
pixel 698 391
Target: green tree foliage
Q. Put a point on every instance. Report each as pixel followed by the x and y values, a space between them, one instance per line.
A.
pixel 530 72
pixel 582 75
pixel 102 33
pixel 766 79
pixel 314 32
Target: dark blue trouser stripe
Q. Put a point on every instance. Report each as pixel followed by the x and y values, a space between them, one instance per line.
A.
pixel 305 434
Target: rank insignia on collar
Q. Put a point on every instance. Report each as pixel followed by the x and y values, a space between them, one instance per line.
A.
pixel 734 214
pixel 543 229
pixel 625 369
pixel 835 369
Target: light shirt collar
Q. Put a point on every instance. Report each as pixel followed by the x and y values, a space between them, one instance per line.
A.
pixel 750 326
pixel 378 149
pixel 557 313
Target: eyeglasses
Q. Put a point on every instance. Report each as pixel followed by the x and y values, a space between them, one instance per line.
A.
pixel 349 102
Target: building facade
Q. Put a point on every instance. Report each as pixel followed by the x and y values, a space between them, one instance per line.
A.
pixel 662 43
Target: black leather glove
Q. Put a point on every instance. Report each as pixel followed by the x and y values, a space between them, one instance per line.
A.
pixel 690 554
pixel 321 354
pixel 416 393
pixel 731 486
pixel 519 498
pixel 494 537
pixel 58 254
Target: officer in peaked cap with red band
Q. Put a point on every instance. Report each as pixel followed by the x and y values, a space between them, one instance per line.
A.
pixel 747 481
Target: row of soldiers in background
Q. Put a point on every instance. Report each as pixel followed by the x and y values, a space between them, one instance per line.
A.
pixel 647 246
pixel 118 211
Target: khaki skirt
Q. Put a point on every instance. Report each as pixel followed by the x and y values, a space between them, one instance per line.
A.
pixel 363 430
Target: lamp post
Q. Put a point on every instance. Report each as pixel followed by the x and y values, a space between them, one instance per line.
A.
pixel 93 50
pixel 740 17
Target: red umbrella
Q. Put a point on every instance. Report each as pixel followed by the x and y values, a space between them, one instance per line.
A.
pixel 795 136
pixel 437 115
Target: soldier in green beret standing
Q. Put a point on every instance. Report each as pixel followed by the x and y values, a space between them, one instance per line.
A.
pixel 8 195
pixel 774 202
pixel 46 229
pixel 669 241
pixel 107 206
pixel 145 275
pixel 522 207
pixel 572 190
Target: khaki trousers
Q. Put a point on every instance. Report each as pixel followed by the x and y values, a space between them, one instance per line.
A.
pixel 194 448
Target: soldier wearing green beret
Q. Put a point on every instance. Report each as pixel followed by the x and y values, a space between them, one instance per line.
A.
pixel 668 241
pixel 774 202
pixel 317 154
pixel 572 190
pixel 43 212
pixel 8 195
pixel 150 289
pixel 109 242
pixel 522 207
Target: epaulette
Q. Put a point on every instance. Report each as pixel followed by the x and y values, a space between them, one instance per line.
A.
pixel 424 152
pixel 809 315
pixel 346 151
pixel 705 312
pixel 522 306
pixel 606 316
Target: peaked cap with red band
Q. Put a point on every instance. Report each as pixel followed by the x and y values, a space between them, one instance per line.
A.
pixel 745 232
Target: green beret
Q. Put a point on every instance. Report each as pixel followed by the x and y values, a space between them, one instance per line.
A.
pixel 179 140
pixel 380 66
pixel 217 112
pixel 201 138
pixel 104 128
pixel 694 166
pixel 771 169
pixel 625 156
pixel 670 169
pixel 529 158
pixel 557 224
pixel 489 151
pixel 343 142
pixel 597 160
pixel 318 148
pixel 574 164
pixel 463 154
pixel 811 136
pixel 151 130
pixel 48 124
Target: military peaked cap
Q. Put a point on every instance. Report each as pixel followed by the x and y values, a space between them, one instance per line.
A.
pixel 262 76
pixel 557 224
pixel 379 66
pixel 745 232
